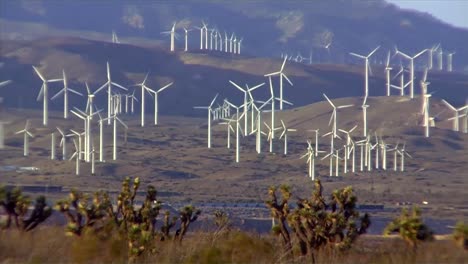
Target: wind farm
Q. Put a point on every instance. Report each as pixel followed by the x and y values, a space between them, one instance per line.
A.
pixel 207 124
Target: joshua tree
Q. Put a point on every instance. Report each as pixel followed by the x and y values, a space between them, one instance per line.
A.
pixel 15 205
pixel 410 227
pixel 317 224
pixel 188 215
pixel 460 235
pixel 280 212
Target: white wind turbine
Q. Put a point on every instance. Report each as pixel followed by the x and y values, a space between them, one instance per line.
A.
pixel 186 39
pixel 63 143
pixel 366 70
pixel 173 36
pixel 271 132
pixel 229 129
pixel 449 61
pixel 156 109
pixel 457 116
pixel 411 59
pixel 316 131
pixel 225 42
pixel 402 86
pixel 349 147
pixel 310 160
pixel 431 56
pixel 402 153
pixel 143 89
pixel 2 133
pixel 45 93
pixel 281 75
pixel 76 155
pixel 109 84
pixel 285 135
pixel 238 128
pixel 364 107
pixel 114 140
pixel 239 46
pixel 27 135
pixel 78 135
pixel 65 91
pixel 52 146
pixel 230 42
pixel 246 105
pixel 258 122
pixel 209 117
pixel 334 116
pixel 388 69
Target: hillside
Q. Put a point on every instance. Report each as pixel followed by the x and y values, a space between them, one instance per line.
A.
pixel 197 77
pixel 267 27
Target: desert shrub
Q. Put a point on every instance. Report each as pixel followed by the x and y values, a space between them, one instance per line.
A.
pixel 96 219
pixel 317 224
pixel 460 235
pixel 16 204
pixel 410 227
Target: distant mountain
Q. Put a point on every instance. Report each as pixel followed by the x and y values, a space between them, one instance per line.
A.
pixel 267 27
pixel 197 76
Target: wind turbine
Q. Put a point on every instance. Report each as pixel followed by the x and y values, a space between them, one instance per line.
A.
pixel 449 61
pixel 115 39
pixel 310 160
pixel 431 56
pixel 27 135
pixel 402 153
pixel 2 133
pixel 364 107
pixel 239 46
pixel 76 155
pixel 366 70
pixel 52 146
pixel 411 59
pixel 230 42
pixel 271 132
pixel 186 39
pixel 388 69
pixel 63 143
pixel 281 75
pixel 143 89
pixel 316 140
pixel 334 116
pixel 114 147
pixel 285 135
pixel 349 147
pixel 246 105
pixel 156 100
pixel 65 91
pixel 456 116
pixel 45 93
pixel 238 128
pixel 109 84
pixel 173 36
pixel 209 117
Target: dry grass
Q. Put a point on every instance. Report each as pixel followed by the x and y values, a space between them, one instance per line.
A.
pixel 50 245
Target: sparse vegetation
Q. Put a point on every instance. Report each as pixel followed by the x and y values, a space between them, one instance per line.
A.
pixel 410 227
pixel 315 223
pixel 16 206
pixel 127 222
pixel 460 235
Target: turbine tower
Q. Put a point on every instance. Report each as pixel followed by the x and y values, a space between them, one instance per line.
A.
pixel 65 91
pixel 156 100
pixel 366 69
pixel 281 75
pixel 209 117
pixel 109 84
pixel 246 104
pixel 411 59
pixel 27 135
pixel 334 116
pixel 45 93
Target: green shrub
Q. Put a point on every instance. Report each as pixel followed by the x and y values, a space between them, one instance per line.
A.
pixel 460 235
pixel 410 227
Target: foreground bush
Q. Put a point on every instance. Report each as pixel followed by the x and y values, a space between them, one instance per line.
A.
pixel 410 227
pixel 16 206
pixel 460 235
pixel 97 219
pixel 315 222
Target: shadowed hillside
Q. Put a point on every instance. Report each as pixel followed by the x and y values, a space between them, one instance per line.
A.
pixel 197 77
